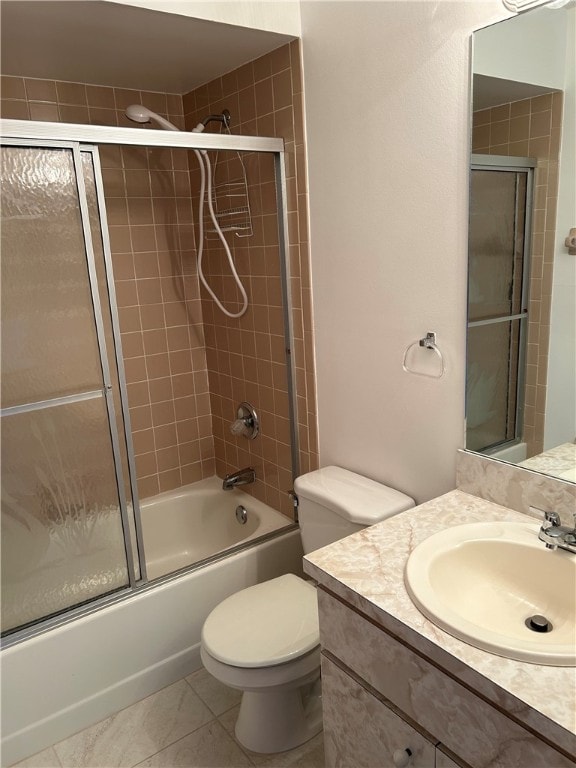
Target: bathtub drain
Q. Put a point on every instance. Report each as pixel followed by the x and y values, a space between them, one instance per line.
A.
pixel 241 514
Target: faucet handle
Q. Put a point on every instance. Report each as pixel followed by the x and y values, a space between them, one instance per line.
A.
pixel 553 518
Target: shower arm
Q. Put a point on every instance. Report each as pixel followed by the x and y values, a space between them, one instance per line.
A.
pixel 223 117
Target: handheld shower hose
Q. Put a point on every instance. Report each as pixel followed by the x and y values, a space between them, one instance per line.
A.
pixel 141 114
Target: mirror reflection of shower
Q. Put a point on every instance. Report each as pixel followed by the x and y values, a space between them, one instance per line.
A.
pixel 138 113
pixel 498 299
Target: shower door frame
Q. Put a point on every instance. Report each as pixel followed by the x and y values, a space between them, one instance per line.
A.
pixel 135 577
pixel 525 165
pixel 89 137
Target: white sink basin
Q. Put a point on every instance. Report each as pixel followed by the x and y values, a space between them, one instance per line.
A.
pixel 481 582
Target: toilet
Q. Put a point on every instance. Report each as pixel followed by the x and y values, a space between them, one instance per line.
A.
pixel 264 640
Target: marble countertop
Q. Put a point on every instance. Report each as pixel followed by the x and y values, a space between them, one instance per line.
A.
pixel 559 462
pixel 367 571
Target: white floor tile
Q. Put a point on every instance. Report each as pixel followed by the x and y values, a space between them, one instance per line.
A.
pixel 45 759
pixel 174 728
pixel 208 747
pixel 137 732
pixel 308 755
pixel 217 696
pixel 228 719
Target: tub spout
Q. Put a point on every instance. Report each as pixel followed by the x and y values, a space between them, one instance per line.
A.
pixel 241 477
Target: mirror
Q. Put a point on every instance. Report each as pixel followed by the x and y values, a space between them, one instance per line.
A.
pixel 521 345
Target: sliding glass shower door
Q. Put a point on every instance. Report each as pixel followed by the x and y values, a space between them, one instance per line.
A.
pixel 66 499
pixel 498 289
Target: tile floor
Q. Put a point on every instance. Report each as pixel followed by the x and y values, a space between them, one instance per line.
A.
pixel 190 724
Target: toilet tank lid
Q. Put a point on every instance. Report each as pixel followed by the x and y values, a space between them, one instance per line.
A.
pixel 353 497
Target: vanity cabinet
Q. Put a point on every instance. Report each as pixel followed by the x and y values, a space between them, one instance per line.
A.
pixel 362 732
pixel 443 761
pixel 381 696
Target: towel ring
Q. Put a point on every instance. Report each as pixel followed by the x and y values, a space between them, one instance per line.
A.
pixel 428 342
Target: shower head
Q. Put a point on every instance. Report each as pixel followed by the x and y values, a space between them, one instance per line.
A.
pixel 141 114
pixel 138 113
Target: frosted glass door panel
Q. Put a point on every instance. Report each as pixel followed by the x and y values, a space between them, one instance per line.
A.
pixel 62 537
pixel 492 384
pixel 107 323
pixel 49 343
pixel 496 243
pixel 497 305
pixel 89 175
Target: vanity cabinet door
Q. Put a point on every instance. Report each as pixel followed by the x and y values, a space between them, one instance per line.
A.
pixel 360 731
pixel 443 761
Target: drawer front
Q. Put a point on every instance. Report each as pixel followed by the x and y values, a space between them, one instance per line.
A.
pixel 467 725
pixel 362 732
pixel 443 761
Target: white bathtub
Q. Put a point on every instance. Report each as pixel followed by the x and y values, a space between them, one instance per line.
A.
pixel 192 523
pixel 64 680
pixel 512 453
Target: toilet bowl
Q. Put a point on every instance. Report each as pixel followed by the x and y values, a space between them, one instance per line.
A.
pixel 264 640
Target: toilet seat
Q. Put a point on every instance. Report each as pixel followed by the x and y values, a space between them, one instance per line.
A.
pixel 305 669
pixel 271 623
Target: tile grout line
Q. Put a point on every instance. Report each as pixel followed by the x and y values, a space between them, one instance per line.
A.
pixel 125 709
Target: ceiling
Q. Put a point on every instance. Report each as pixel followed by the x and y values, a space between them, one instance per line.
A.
pixel 493 91
pixel 107 43
pixel 104 43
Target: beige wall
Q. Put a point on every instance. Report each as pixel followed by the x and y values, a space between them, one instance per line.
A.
pixel 561 381
pixel 387 138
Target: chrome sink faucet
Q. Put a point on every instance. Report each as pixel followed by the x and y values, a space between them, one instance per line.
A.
pixel 241 477
pixel 555 535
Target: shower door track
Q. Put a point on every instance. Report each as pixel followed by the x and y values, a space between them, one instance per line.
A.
pixel 104 134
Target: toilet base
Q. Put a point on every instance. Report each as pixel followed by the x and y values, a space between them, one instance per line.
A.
pixel 276 721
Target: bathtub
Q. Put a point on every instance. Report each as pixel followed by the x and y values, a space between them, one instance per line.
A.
pixel 69 678
pixel 193 523
pixel 512 453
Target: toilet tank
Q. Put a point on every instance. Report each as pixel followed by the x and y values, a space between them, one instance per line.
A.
pixel 334 502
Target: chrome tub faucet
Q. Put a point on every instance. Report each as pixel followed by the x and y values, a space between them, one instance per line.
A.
pixel 553 534
pixel 241 477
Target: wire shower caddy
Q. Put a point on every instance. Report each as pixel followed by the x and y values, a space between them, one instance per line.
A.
pixel 231 201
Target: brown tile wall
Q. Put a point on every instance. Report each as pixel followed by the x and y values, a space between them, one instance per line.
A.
pixel 150 218
pixel 187 365
pixel 246 356
pixel 531 128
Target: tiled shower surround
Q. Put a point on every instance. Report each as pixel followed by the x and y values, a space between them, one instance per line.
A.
pixel 187 365
pixel 531 128
pixel 246 356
